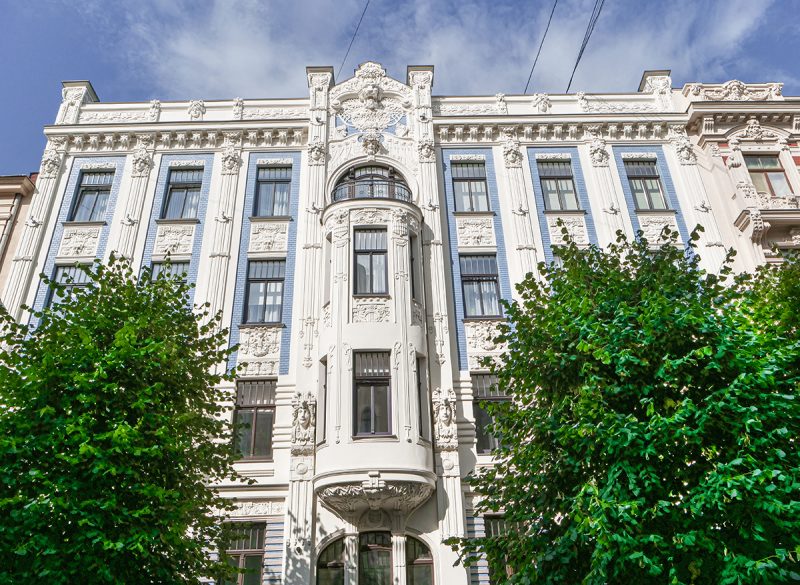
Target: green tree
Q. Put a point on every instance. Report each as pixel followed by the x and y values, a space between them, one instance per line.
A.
pixel 652 435
pixel 110 430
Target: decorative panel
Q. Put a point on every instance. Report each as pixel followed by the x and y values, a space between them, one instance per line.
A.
pixel 475 231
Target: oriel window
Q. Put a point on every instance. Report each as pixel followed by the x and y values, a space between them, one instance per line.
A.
pixel 272 191
pixel 480 286
pixel 645 184
pixel 183 194
pixel 93 194
pixel 264 302
pixel 558 186
pixel 372 394
pixel 253 418
pixel 370 262
pixel 469 186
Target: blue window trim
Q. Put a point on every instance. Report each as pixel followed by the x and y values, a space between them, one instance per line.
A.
pixel 666 183
pixel 162 185
pixel 67 202
pixel 580 188
pixel 237 315
pixel 502 263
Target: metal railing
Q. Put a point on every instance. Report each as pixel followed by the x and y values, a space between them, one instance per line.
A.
pixel 371 189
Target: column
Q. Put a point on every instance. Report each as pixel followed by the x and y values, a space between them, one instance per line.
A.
pixel 615 217
pixel 399 558
pixel 350 556
pixel 141 166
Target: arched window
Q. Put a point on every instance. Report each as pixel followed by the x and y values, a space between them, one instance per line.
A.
pixel 375 558
pixel 419 563
pixel 330 565
pixel 372 182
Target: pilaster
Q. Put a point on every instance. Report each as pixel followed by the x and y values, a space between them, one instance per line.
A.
pixel 141 169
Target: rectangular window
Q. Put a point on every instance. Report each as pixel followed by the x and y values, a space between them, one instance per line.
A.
pixel 179 269
pixel 558 186
pixel 322 402
pixel 90 205
pixel 253 417
pixel 370 262
pixel 424 401
pixel 469 186
pixel 767 175
pixel 272 191
pixel 484 389
pixel 264 303
pixel 371 394
pixel 246 551
pixel 496 526
pixel 183 194
pixel 645 184
pixel 480 287
pixel 72 278
pixel 413 266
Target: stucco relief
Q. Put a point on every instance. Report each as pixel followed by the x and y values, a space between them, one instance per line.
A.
pixel 196 109
pixel 174 239
pixel 370 217
pixel 450 109
pixel 468 157
pixel 480 336
pixel 141 161
pixel 304 422
pixel 268 236
pixel 79 241
pixel 375 493
pixel 736 91
pixel 682 145
pixel 475 231
pixel 278 162
pixel 371 310
pixel 260 341
pixel 426 151
pixel 259 508
pixel 445 428
pixel 326 315
pixel 541 102
pixel 765 201
pixel 417 313
pixel 259 368
pixel 653 225
pixel 575 225
pixel 274 113
pixel 602 106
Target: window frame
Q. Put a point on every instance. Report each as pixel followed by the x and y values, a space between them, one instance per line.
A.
pixel 372 381
pixel 173 186
pixel 371 253
pixel 485 396
pixel 766 174
pixel 68 286
pixel 385 549
pixel 472 195
pixel 656 176
pixel 157 273
pixel 411 563
pixel 559 194
pixel 473 278
pixel 242 554
pixel 274 183
pixel 96 188
pixel 337 565
pixel 253 406
pixel 249 281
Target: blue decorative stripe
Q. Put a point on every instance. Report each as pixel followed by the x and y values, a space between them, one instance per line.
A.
pixel 162 185
pixel 666 182
pixel 502 263
pixel 273 552
pixel 70 191
pixel 479 571
pixel 580 188
pixel 291 253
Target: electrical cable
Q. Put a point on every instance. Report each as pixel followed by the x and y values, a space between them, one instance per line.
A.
pixel 598 8
pixel 544 36
pixel 353 38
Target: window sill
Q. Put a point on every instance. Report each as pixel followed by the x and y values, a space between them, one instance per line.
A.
pixel 472 213
pixel 655 211
pixel 254 460
pixel 377 438
pixel 372 296
pixel 564 212
pixel 100 223
pixel 178 220
pixel 268 218
pixel 272 324
pixel 484 318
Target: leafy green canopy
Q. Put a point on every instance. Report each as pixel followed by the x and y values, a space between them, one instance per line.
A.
pixel 110 430
pixel 653 432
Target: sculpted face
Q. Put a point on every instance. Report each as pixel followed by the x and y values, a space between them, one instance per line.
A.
pixel 444 414
pixel 304 417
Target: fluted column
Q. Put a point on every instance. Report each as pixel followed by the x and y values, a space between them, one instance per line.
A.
pixel 19 278
pixel 401 222
pixel 615 217
pixel 399 558
pixel 223 222
pixel 141 168
pixel 351 556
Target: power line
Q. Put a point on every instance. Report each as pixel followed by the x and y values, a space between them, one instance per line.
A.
pixel 353 38
pixel 544 36
pixel 598 8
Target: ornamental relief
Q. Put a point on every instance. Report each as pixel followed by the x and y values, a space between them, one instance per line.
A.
pixel 260 341
pixel 736 91
pixel 575 225
pixel 258 368
pixel 269 236
pixel 653 225
pixel 445 430
pixel 370 216
pixel 79 241
pixel 475 231
pixel 370 99
pixel 374 494
pixel 371 310
pixel 417 314
pixel 304 422
pixel 174 239
pixel 480 336
pixel 260 508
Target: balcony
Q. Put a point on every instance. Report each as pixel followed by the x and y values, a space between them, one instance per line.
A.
pixel 372 182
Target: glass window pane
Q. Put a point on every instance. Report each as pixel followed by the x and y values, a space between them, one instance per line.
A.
pixel 262 446
pixel 174 207
pixel 363 273
pixel 243 422
pixel 86 200
pixel 639 195
pixel 191 203
pixel 273 302
pixel 567 190
pixel 363 409
pixel 252 565
pixel 550 190
pixel 420 575
pixel 653 187
pixel 381 416
pixel 256 300
pixel 480 199
pixel 281 199
pixel 472 299
pixel 482 420
pixel 760 182
pixel 264 199
pixel 780 186
pixel 491 306
pixel 461 192
pixel 379 285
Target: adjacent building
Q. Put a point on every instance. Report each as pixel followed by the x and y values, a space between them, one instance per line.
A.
pixel 358 241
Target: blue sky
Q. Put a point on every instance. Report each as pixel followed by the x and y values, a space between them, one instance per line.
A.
pixel 191 49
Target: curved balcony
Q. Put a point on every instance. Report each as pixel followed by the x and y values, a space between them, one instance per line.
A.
pixel 372 182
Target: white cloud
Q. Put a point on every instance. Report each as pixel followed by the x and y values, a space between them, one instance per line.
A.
pixel 221 49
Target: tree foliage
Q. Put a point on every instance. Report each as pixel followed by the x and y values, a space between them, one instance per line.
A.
pixel 110 431
pixel 652 435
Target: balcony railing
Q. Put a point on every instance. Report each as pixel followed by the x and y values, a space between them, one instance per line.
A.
pixel 371 189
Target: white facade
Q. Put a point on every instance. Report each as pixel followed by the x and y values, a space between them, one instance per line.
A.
pixel 369 316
